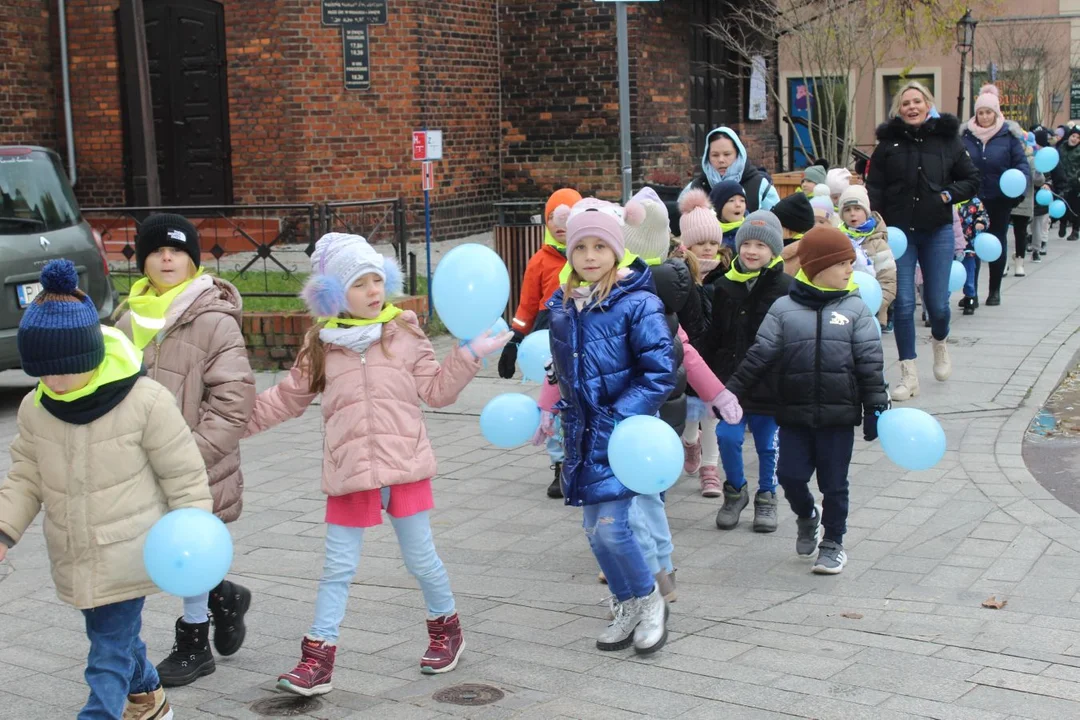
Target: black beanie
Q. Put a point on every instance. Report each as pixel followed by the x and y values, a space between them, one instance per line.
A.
pixel 166 230
pixel 795 212
pixel 1042 137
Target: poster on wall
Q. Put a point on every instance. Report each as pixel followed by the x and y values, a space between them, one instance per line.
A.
pixel 354 12
pixel 757 108
pixel 1018 103
pixel 357 63
pixel 1074 95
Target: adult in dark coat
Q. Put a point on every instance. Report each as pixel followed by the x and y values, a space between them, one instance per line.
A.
pixel 725 159
pixel 994 149
pixel 918 171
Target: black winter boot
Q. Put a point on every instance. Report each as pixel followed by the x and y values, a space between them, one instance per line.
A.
pixel 228 604
pixel 554 490
pixel 190 658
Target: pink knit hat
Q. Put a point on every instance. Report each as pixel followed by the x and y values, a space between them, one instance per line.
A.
pixel 988 98
pixel 599 219
pixel 698 222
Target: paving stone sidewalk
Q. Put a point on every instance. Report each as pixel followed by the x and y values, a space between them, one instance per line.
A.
pixel 754 634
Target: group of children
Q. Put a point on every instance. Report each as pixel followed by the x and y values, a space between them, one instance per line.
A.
pixel 148 415
pixel 130 422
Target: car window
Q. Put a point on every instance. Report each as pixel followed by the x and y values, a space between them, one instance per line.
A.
pixel 35 195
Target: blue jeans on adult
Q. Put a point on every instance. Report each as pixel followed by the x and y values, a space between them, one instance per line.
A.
pixel 933 251
pixel 730 437
pixel 343 546
pixel 117 665
pixel 648 520
pixel 607 526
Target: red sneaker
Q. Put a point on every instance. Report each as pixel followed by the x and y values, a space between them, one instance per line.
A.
pixel 445 646
pixel 313 674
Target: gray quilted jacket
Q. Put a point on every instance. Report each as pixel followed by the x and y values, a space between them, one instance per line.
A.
pixel 825 353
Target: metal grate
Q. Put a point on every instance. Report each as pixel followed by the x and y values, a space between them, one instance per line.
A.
pixel 285 706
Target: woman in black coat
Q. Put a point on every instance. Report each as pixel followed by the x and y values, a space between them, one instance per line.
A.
pixel 918 171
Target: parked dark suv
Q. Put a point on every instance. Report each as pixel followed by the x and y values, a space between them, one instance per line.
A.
pixel 40 221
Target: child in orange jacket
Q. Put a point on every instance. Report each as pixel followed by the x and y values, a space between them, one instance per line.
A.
pixel 540 283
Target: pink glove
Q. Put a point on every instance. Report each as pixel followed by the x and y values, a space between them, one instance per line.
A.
pixel 484 345
pixel 728 406
pixel 546 429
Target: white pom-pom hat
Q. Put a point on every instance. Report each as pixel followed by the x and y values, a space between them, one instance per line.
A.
pixel 339 259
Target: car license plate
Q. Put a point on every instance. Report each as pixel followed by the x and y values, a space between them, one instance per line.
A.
pixel 27 293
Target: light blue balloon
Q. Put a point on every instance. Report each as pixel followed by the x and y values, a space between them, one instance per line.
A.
pixel 897 241
pixel 470 289
pixel 1044 196
pixel 1047 159
pixel 1013 183
pixel 869 290
pixel 987 247
pixel 957 276
pixel 877 326
pixel 645 454
pixel 911 438
pixel 1058 208
pixel 534 355
pixel 499 328
pixel 509 420
pixel 188 552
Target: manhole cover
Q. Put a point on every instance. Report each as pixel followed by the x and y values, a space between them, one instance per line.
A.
pixel 285 706
pixel 469 694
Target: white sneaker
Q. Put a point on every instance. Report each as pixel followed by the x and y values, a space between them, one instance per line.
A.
pixel 942 363
pixel 1019 265
pixel 619 634
pixel 651 632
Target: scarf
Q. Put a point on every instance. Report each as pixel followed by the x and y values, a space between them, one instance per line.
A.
pixel 583 294
pixel 736 274
pixel 735 170
pixel 357 334
pixel 107 388
pixel 863 231
pixel 801 277
pixel 730 227
pixel 707 266
pixel 149 309
pixel 985 134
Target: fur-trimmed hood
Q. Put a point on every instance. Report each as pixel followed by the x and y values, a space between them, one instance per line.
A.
pixel 896 128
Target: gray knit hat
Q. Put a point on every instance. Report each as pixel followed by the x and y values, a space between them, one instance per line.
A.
pixel 764 226
pixel 815 173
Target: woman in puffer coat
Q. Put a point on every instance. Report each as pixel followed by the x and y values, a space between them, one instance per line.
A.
pixel 614 358
pixel 188 326
pixel 919 169
pixel 994 148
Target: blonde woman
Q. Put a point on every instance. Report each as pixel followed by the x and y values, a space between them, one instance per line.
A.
pixel 918 170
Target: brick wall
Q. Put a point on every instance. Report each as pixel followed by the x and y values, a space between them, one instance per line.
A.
pixel 30 109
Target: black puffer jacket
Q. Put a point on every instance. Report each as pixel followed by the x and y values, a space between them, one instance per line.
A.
pixel 826 354
pixel 682 306
pixel 739 308
pixel 911 167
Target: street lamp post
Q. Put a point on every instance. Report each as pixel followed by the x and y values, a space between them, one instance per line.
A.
pixel 965 43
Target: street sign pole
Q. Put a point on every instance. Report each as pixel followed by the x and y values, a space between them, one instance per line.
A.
pixel 624 99
pixel 427 246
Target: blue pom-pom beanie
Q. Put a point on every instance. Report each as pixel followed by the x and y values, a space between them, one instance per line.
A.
pixel 59 333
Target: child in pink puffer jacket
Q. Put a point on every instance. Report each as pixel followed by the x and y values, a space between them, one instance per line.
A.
pixel 373 366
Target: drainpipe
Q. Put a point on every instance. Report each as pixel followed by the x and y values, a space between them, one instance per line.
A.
pixel 68 129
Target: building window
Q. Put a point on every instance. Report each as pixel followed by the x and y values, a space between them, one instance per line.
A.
pixel 891 84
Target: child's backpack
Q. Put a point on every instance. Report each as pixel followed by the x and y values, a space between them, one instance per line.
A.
pixel 973 218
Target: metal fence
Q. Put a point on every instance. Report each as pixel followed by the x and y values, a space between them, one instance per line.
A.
pixel 263 247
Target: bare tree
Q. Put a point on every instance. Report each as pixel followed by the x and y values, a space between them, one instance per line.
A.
pixel 836 46
pixel 1032 69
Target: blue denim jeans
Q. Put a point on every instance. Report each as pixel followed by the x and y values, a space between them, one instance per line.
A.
pixel 933 250
pixel 117 665
pixel 554 445
pixel 343 546
pixel 971 284
pixel 730 437
pixel 649 522
pixel 607 526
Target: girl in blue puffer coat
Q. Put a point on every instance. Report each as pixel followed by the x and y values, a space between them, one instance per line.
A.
pixel 614 358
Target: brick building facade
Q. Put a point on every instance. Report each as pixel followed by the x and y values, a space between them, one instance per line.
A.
pixel 250 103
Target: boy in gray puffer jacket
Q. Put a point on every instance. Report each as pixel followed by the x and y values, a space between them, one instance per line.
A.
pixel 822 346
